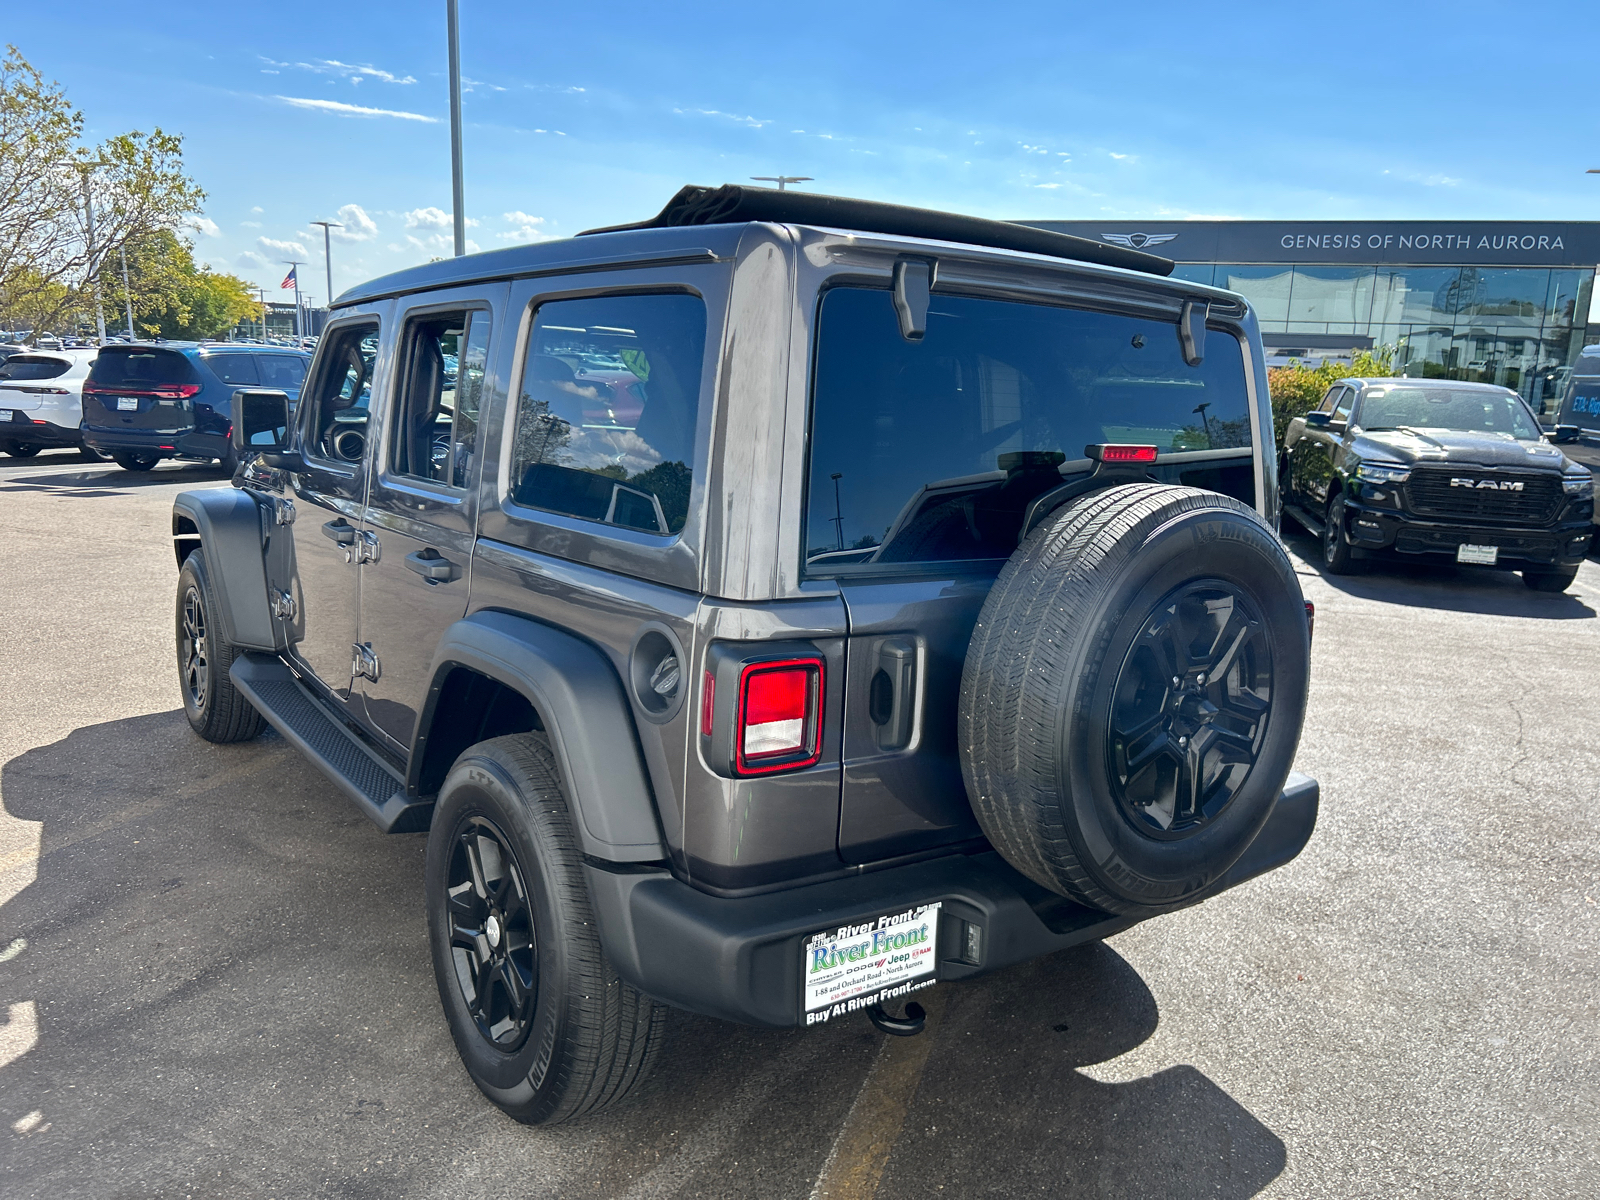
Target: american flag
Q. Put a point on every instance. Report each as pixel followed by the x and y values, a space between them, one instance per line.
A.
pixel 289 280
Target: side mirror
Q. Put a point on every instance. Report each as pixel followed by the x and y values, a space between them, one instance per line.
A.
pixel 260 420
pixel 1564 433
pixel 1318 420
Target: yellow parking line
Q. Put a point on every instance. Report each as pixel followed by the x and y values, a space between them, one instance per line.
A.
pixel 862 1148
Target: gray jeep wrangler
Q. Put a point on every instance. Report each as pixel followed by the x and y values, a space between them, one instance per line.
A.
pixel 769 609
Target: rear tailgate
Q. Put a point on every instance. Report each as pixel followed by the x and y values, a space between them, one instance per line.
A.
pixel 145 388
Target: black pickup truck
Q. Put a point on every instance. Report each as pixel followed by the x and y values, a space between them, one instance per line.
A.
pixel 1440 471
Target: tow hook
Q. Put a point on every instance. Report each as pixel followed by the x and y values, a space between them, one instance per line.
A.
pixel 907 1026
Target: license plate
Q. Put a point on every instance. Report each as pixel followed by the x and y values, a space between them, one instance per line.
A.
pixel 848 969
pixel 7 414
pixel 1482 555
pixel 127 404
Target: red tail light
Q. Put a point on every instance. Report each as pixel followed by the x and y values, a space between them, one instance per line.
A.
pixel 779 724
pixel 182 391
pixel 1114 453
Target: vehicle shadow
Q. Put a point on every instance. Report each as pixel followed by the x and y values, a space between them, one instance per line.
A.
pixel 108 479
pixel 217 982
pixel 1444 586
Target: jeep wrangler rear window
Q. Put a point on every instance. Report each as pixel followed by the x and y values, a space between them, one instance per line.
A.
pixel 925 451
pixel 606 411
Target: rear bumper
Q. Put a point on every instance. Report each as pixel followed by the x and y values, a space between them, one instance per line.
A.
pixel 38 433
pixel 187 443
pixel 740 958
pixel 1379 529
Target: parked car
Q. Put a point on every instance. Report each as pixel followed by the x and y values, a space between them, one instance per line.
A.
pixel 1441 471
pixel 1577 416
pixel 926 616
pixel 41 401
pixel 146 401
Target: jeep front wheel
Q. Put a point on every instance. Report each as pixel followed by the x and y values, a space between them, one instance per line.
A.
pixel 1133 696
pixel 216 709
pixel 543 1024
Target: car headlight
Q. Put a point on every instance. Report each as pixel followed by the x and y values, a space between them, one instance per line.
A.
pixel 1379 473
pixel 1579 486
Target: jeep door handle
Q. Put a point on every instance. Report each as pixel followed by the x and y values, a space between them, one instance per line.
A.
pixel 432 566
pixel 340 531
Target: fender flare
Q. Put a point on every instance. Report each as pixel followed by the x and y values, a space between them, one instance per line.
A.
pixel 576 692
pixel 228 523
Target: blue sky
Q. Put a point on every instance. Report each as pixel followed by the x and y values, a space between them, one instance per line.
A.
pixel 593 114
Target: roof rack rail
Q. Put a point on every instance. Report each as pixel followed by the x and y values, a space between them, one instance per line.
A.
pixel 734 203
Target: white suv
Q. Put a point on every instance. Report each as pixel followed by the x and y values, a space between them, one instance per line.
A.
pixel 41 401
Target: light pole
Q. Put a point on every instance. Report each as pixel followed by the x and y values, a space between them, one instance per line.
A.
pixel 127 292
pixel 782 180
pixel 85 169
pixel 457 187
pixel 327 251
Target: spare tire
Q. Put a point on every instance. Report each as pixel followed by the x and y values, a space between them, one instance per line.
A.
pixel 1133 695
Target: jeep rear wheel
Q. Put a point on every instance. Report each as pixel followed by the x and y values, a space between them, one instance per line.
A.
pixel 543 1024
pixel 216 709
pixel 1133 696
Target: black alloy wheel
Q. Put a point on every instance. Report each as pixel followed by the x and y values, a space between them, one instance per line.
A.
pixel 1189 709
pixel 194 663
pixel 492 940
pixel 1336 553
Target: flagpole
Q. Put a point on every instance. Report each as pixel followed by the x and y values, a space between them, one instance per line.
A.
pixel 296 274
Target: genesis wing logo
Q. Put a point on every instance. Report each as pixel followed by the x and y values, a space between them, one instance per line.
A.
pixel 1138 241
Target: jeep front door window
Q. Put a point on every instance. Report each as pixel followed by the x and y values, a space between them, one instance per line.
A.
pixel 336 422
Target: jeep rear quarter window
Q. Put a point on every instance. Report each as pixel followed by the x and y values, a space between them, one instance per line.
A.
pixel 606 411
pixel 930 451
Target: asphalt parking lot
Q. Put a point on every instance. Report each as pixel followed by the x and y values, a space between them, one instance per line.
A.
pixel 214 979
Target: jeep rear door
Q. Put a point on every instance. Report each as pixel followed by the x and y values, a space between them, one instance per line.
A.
pixel 420 510
pixel 924 457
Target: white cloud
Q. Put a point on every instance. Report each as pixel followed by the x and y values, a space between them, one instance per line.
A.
pixel 1046 186
pixel 468 85
pixel 358 227
pixel 204 226
pixel 251 224
pixel 258 209
pixel 354 72
pixel 1117 156
pixel 427 218
pixel 292 249
pixel 526 228
pixel 251 259
pixel 355 110
pixel 752 122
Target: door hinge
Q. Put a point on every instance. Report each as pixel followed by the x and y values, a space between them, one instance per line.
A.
pixel 283 606
pixel 368 548
pixel 364 662
pixel 283 511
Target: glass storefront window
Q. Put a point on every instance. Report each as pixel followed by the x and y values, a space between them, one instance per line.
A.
pixel 1267 289
pixel 1416 296
pixel 1193 272
pixel 1502 297
pixel 1337 299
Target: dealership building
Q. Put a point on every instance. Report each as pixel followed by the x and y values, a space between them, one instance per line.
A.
pixel 1507 302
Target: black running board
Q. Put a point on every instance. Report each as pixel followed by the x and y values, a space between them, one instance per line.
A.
pixel 294 712
pixel 1306 521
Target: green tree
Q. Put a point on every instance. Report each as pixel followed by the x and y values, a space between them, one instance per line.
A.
pixel 137 186
pixel 173 297
pixel 1297 388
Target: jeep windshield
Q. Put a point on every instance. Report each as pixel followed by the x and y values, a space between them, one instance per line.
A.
pixel 1465 410
pixel 932 450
